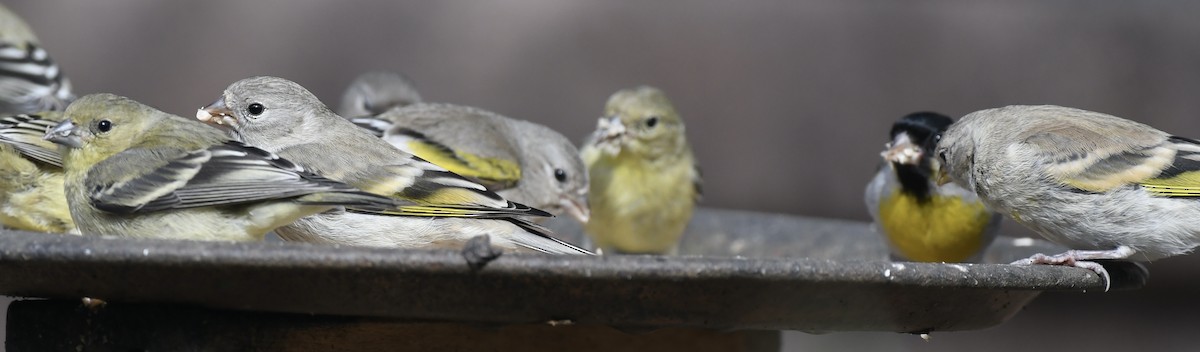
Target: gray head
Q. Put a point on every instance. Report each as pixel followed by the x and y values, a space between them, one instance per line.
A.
pixel 375 92
pixel 557 167
pixel 266 111
pixel 956 151
pixel 990 128
pixel 985 138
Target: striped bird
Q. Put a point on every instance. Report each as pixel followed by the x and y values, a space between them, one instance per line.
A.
pixel 30 80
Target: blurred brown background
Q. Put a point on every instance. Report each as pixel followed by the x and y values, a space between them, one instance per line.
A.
pixel 787 103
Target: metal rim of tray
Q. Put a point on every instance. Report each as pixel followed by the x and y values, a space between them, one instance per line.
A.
pixel 624 291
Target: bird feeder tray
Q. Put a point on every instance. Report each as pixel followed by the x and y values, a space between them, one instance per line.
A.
pixel 737 270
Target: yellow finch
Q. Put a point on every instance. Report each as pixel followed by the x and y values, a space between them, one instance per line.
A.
pixel 134 171
pixel 31 176
pixel 643 178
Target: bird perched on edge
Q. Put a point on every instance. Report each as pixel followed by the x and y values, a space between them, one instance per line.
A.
pixel 30 81
pixel 283 117
pixel 134 171
pixel 920 220
pixel 1107 187
pixel 31 176
pixel 520 160
pixel 643 179
pixel 375 92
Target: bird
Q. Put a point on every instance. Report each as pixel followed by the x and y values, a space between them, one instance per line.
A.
pixel 134 171
pixel 1101 185
pixel 522 161
pixel 31 176
pixel 283 117
pixel 375 92
pixel 920 220
pixel 643 179
pixel 30 80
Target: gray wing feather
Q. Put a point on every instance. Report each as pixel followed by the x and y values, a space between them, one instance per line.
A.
pixel 227 174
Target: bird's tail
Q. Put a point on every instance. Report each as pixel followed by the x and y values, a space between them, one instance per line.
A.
pixel 541 239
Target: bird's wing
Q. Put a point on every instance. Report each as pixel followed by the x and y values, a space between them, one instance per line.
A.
pixel 1182 177
pixel 437 192
pixel 224 174
pixel 497 170
pixel 30 80
pixel 24 132
pixel 1096 161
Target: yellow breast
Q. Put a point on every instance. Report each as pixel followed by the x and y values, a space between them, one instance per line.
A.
pixel 639 207
pixel 944 229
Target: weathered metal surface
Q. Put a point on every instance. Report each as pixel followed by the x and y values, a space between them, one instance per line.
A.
pixel 793 273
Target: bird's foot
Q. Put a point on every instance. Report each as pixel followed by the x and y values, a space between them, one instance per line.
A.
pixel 478 251
pixel 1081 259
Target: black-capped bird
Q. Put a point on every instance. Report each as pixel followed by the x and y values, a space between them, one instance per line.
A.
pixel 920 220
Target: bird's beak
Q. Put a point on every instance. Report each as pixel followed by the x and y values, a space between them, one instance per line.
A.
pixel 576 206
pixel 608 134
pixel 610 128
pixel 940 176
pixel 64 134
pixel 217 114
pixel 902 151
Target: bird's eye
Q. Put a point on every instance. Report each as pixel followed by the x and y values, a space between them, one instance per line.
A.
pixel 104 126
pixel 652 121
pixel 255 109
pixel 560 175
pixel 366 105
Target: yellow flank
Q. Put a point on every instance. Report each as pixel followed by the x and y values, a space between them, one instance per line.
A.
pixel 944 229
pixel 639 206
pixel 1186 184
pixel 465 164
pixel 33 199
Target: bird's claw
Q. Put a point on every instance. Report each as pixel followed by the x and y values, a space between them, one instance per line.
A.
pixel 1070 258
